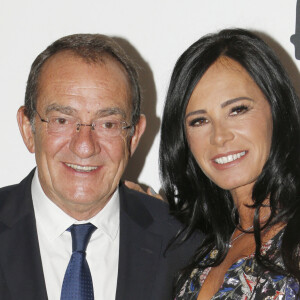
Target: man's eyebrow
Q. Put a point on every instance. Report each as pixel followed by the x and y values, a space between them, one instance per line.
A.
pixel 68 110
pixel 110 111
pixel 230 101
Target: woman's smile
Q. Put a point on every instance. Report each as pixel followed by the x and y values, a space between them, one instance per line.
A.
pixel 224 161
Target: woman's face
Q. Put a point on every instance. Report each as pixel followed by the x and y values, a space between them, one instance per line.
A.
pixel 229 126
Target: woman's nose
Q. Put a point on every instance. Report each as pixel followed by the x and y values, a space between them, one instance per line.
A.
pixel 221 134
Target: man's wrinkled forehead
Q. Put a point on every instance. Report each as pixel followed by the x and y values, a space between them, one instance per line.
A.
pixel 99 59
pixel 102 61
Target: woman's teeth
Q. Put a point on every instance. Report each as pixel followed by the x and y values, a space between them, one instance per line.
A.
pixel 229 158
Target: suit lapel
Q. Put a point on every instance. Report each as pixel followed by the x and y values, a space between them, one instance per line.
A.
pixel 140 249
pixel 20 258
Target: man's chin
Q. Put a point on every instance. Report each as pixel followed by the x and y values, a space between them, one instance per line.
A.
pixel 80 204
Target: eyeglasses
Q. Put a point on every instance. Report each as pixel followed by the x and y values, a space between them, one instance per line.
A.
pixel 67 126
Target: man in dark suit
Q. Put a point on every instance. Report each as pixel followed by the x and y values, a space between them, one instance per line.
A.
pixel 70 229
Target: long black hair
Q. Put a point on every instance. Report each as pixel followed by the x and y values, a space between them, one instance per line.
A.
pixel 194 199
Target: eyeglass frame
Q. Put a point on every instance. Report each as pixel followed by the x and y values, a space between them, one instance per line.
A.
pixel 78 125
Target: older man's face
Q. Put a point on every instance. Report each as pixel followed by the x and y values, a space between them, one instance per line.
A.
pixel 79 172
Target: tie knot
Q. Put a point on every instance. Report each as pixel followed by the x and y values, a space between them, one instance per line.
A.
pixel 81 235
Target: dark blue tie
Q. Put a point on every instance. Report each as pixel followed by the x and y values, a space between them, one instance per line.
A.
pixel 78 284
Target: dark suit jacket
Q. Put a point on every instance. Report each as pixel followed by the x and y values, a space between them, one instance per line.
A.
pixel 145 273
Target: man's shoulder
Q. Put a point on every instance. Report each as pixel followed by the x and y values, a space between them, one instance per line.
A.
pixel 20 187
pixel 146 234
pixel 158 209
pixel 162 221
pixel 7 193
pixel 16 198
pixel 7 190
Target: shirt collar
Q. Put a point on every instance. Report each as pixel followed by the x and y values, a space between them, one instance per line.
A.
pixel 54 221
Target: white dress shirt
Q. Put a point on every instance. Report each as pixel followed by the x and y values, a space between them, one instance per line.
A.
pixel 56 244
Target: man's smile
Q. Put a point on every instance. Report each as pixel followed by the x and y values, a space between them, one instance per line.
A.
pixel 81 168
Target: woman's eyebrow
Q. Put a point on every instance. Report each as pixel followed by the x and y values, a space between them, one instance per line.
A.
pixel 230 101
pixel 196 112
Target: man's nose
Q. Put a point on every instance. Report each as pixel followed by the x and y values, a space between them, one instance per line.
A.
pixel 221 134
pixel 84 143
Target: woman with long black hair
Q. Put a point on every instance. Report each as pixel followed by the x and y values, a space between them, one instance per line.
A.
pixel 230 167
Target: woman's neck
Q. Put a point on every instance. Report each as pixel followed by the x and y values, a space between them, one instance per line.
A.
pixel 242 198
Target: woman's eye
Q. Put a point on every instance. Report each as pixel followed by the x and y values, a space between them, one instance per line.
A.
pixel 198 122
pixel 238 110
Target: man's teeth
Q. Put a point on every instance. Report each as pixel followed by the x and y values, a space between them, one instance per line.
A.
pixel 229 158
pixel 81 168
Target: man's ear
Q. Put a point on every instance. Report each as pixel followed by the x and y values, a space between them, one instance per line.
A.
pixel 26 129
pixel 138 132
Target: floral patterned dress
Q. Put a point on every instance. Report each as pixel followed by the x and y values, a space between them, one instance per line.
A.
pixel 245 279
